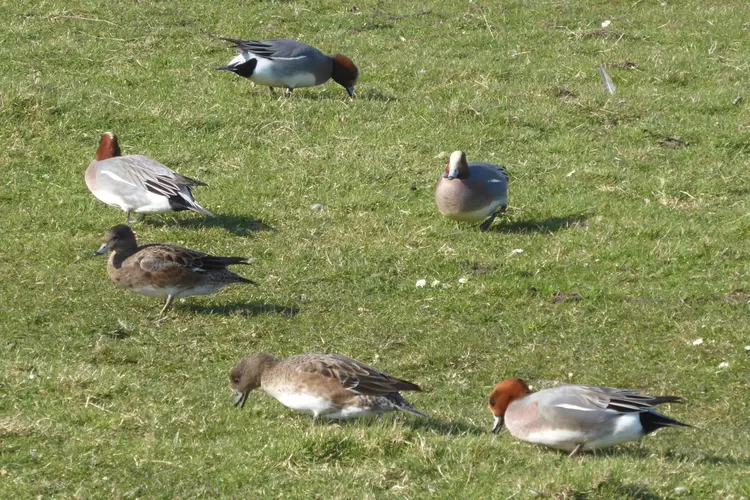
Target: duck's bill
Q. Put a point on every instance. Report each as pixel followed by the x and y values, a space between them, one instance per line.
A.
pixel 497 425
pixel 240 398
pixel 102 249
pixel 351 91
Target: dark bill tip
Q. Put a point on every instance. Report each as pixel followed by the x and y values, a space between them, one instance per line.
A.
pixel 240 398
pixel 350 90
pixel 102 250
pixel 497 425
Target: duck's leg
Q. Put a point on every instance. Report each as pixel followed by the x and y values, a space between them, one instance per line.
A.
pixel 576 450
pixel 289 92
pixel 167 304
pixel 129 214
pixel 487 223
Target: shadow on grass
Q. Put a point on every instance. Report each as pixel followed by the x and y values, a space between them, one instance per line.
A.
pixel 239 225
pixel 707 458
pixel 445 427
pixel 644 454
pixel 549 226
pixel 245 309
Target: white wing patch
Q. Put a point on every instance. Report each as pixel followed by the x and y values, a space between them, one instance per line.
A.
pixel 574 407
pixel 287 58
pixel 117 177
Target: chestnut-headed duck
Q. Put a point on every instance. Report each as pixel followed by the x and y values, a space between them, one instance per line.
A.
pixel 290 64
pixel 323 385
pixel 136 183
pixel 471 192
pixel 577 417
pixel 165 271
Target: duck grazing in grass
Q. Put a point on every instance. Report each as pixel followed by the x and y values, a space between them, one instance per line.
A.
pixel 290 64
pixel 165 271
pixel 137 183
pixel 323 385
pixel 472 192
pixel 577 417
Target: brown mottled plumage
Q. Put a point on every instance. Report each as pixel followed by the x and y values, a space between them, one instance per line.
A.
pixel 328 385
pixel 165 270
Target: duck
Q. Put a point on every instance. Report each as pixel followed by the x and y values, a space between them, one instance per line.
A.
pixel 136 183
pixel 330 386
pixel 577 417
pixel 290 64
pixel 471 192
pixel 165 271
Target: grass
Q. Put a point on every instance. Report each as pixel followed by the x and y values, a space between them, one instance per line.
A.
pixel 634 246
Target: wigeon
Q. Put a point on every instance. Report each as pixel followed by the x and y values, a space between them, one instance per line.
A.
pixel 323 385
pixel 471 192
pixel 164 270
pixel 290 64
pixel 577 417
pixel 137 183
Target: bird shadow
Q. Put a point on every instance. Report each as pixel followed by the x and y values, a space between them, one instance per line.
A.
pixel 238 225
pixel 418 424
pixel 445 427
pixel 644 454
pixel 549 226
pixel 245 309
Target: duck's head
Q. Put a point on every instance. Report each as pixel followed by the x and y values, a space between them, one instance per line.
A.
pixel 117 239
pixel 108 147
pixel 247 374
pixel 345 73
pixel 457 167
pixel 504 394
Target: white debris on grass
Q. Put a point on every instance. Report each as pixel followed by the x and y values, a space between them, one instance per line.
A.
pixel 606 23
pixel 698 342
pixel 723 365
pixel 421 283
pixel 463 280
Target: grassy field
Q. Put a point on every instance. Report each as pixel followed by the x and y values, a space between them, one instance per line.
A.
pixel 632 212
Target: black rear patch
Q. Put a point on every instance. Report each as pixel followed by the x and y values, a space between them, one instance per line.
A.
pixel 246 69
pixel 177 203
pixel 650 421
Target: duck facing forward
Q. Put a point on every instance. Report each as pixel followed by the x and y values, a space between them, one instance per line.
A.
pixel 136 183
pixel 165 271
pixel 290 64
pixel 472 192
pixel 323 385
pixel 577 417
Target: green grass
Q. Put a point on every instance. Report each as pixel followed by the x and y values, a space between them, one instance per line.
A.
pixel 100 400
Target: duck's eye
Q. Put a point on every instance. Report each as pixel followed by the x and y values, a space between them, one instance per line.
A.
pixel 492 401
pixel 236 380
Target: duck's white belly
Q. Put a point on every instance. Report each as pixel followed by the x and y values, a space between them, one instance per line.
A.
pixel 620 430
pixel 133 199
pixel 302 402
pixel 474 215
pixel 273 74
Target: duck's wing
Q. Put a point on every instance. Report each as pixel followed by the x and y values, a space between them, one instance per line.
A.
pixel 144 173
pixel 158 258
pixel 351 374
pixel 274 49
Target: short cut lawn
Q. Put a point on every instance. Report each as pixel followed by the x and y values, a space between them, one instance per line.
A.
pixel 623 260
